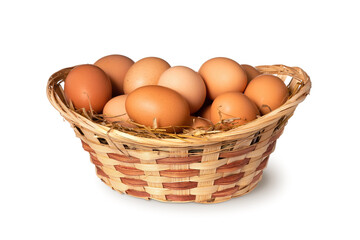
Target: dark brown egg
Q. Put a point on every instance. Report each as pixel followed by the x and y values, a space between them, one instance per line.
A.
pixel 87 86
pixel 205 111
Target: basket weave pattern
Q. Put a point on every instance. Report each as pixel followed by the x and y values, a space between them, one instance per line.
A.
pixel 212 169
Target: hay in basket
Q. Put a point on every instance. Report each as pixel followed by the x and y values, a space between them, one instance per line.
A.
pixel 210 167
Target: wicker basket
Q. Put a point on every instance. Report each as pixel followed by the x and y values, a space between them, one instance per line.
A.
pixel 214 168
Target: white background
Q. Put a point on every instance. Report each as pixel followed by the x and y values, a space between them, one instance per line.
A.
pixel 310 189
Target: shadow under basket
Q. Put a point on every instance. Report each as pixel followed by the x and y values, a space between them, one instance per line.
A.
pixel 208 169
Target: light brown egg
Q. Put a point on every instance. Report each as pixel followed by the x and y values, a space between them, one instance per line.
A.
pixel 188 83
pixel 200 123
pixel 223 75
pixel 233 105
pixel 268 92
pixel 251 72
pixel 149 104
pixel 87 85
pixel 114 111
pixel 115 66
pixel 144 72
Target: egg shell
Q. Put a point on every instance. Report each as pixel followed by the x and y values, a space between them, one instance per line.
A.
pixel 205 111
pixel 251 72
pixel 115 66
pixel 144 72
pixel 268 92
pixel 200 123
pixel 114 111
pixel 187 83
pixel 223 75
pixel 233 105
pixel 168 107
pixel 87 85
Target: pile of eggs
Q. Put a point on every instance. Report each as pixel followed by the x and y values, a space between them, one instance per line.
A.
pixel 151 93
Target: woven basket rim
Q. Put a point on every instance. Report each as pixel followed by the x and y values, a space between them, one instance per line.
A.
pixel 73 117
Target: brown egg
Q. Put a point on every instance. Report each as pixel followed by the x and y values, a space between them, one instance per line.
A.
pixel 197 122
pixel 268 92
pixel 233 105
pixel 205 111
pixel 115 66
pixel 223 75
pixel 87 85
pixel 162 105
pixel 187 82
pixel 144 72
pixel 114 111
pixel 251 72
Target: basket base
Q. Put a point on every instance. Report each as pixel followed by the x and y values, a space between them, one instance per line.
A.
pixel 241 192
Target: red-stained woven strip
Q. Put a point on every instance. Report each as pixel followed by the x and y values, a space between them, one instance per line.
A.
pixel 257 177
pixel 136 193
pixel 180 198
pixel 179 160
pixel 237 152
pixel 233 166
pixel 229 179
pixel 86 147
pixel 123 158
pixel 129 170
pixel 225 192
pixel 277 135
pixel 179 173
pixel 180 185
pixel 262 164
pixel 133 182
pixel 269 149
pixel 95 160
pixel 100 172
